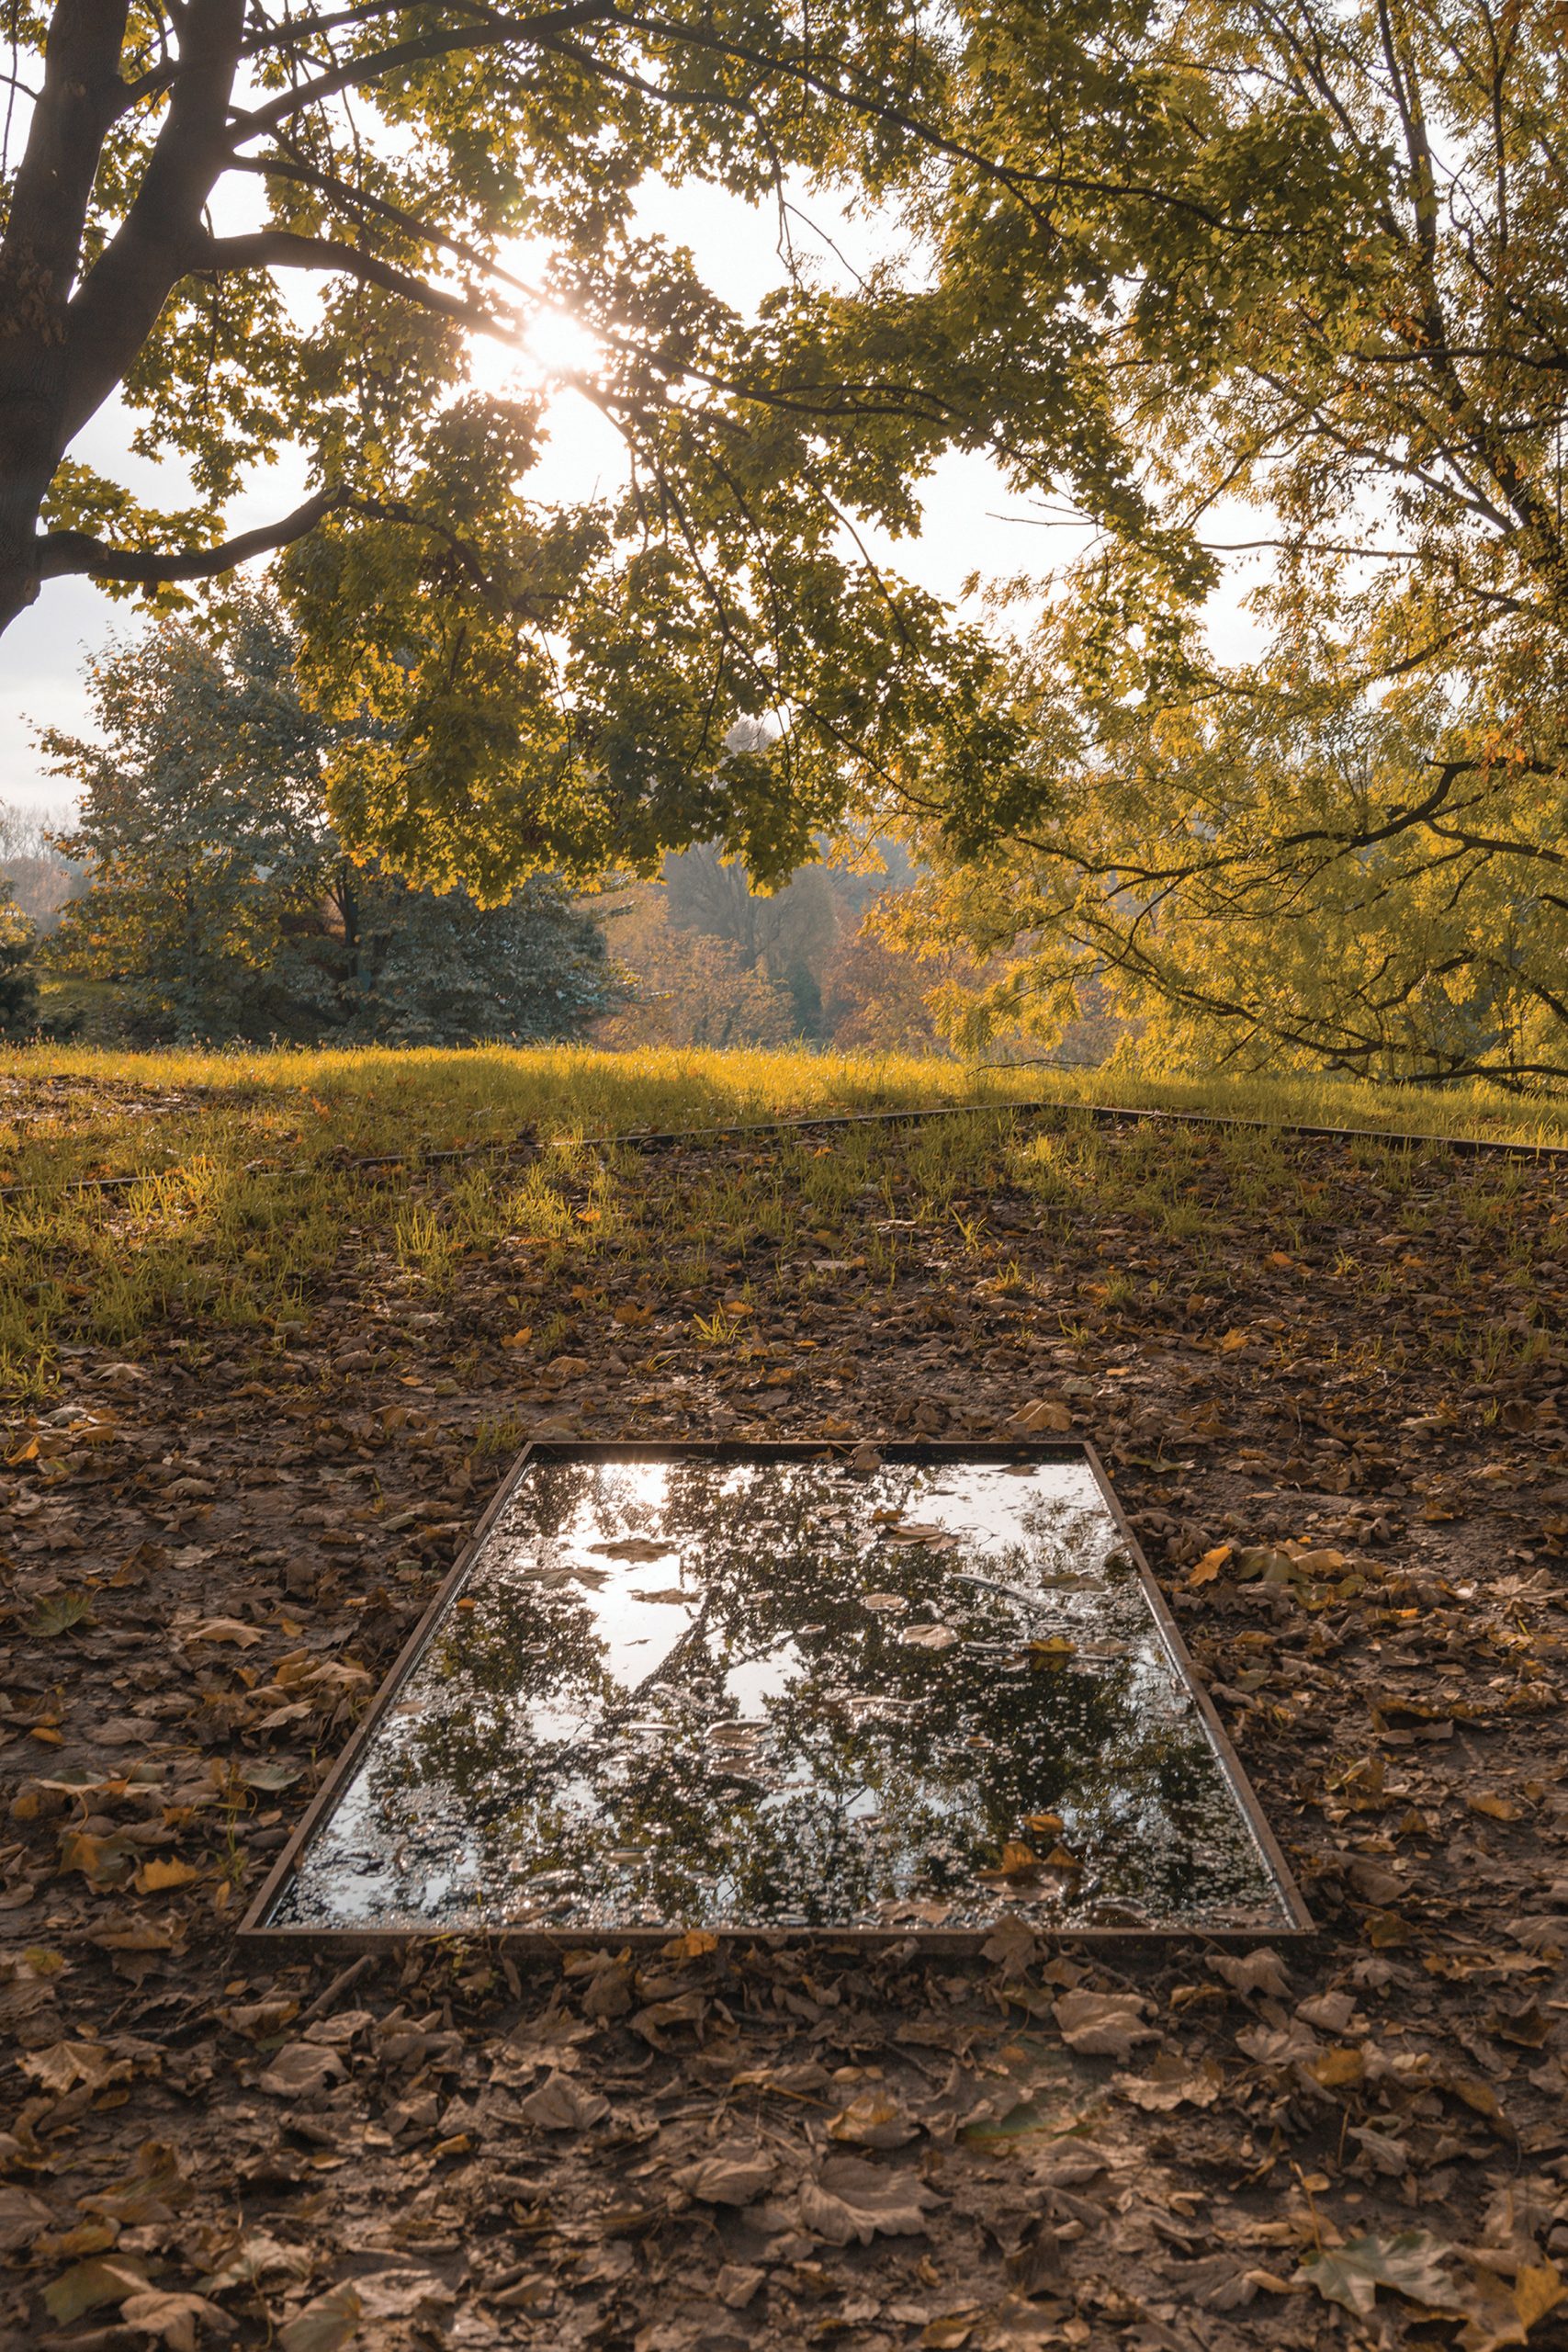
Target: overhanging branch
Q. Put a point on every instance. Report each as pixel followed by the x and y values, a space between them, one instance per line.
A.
pixel 62 553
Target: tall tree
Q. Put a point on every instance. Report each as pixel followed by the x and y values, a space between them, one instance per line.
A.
pixel 18 985
pixel 1349 848
pixel 553 683
pixel 220 900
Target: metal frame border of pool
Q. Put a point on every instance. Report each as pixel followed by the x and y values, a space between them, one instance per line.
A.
pixel 255 1929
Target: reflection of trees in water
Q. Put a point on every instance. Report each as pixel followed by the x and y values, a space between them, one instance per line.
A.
pixel 883 1772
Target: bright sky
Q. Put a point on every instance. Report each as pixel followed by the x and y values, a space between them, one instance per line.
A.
pixel 973 524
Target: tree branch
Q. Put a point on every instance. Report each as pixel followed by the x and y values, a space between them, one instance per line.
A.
pixel 65 552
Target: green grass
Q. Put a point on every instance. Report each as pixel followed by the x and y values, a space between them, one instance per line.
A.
pixel 243 1213
pixel 117 1112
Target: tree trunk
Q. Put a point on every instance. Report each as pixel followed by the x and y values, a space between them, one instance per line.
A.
pixel 67 339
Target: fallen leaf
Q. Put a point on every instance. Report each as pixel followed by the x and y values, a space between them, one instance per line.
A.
pixel 928 1637
pixel 1206 1569
pixel 325 2324
pixel 87 2284
pixel 1103 2024
pixel 872 2120
pixel 158 1876
pixel 852 2200
pixel 557 2105
pixel 1410 2265
pixel 173 2319
pixel 221 1629
pixel 1043 1413
pixel 1252 1972
pixel 727 2177
pixel 302 2070
pixel 22 2217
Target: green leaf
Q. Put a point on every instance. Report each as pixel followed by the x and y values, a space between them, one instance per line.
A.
pixel 325 2325
pixel 87 2284
pixel 271 1776
pixel 1410 2265
pixel 57 1612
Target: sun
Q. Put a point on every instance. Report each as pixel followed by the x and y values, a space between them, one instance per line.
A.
pixel 553 348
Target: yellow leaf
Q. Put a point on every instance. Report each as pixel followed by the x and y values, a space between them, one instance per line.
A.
pixel 157 1877
pixel 1043 1824
pixel 1386 1928
pixel 1537 2290
pixel 1337 2066
pixel 1494 1809
pixel 1231 1341
pixel 520 1338
pixel 1052 1652
pixel 1209 1566
pixel 1043 1413
pixel 695 1944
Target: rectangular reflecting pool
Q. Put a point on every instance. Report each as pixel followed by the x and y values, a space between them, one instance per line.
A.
pixel 763 1688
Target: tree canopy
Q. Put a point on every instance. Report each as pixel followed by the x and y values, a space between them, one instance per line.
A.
pixel 1347 848
pixel 551 682
pixel 220 902
pixel 1286 280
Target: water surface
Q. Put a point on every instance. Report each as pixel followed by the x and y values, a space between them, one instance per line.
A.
pixel 766 1693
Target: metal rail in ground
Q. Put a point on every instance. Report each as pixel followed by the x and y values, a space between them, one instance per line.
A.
pixel 667 1139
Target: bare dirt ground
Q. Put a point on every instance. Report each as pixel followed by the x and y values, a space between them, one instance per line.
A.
pixel 1327 1382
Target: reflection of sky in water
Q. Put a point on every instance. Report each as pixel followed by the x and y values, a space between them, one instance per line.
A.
pixel 671 1703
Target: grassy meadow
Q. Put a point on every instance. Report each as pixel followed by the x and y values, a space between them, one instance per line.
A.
pixel 245 1198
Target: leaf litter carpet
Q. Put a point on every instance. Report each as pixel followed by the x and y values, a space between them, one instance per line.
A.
pixel 1329 1393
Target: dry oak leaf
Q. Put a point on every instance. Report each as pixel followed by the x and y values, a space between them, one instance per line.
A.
pixel 1252 1972
pixel 635 1547
pixel 1103 2024
pixel 559 2104
pixel 727 2177
pixel 302 2070
pixel 872 2120
pixel 852 2200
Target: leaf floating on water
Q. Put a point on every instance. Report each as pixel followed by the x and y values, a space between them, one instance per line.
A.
pixel 887 1600
pixel 634 1547
pixel 1018 1860
pixel 921 1531
pixel 928 1637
